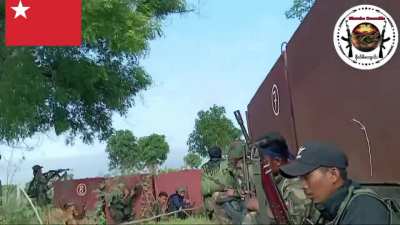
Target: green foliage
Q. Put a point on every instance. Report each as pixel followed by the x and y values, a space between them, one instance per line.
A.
pixel 153 151
pixel 192 160
pixel 76 90
pixel 212 128
pixel 123 151
pixel 16 211
pixel 299 9
pixel 168 170
pixel 190 220
pixel 127 153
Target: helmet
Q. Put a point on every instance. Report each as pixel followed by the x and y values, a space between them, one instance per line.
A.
pixel 215 152
pixel 36 168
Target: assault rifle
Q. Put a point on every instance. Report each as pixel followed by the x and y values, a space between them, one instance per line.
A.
pixel 276 203
pixel 55 174
pixel 348 39
pixel 383 40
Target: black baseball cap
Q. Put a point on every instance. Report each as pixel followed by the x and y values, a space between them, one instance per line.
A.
pixel 313 155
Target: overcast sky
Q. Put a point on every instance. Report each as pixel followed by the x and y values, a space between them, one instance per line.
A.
pixel 218 55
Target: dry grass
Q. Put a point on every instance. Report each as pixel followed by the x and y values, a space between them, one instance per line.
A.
pixel 18 211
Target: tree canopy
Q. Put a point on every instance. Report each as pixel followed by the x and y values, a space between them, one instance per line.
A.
pixel 153 151
pixel 192 160
pixel 299 9
pixel 128 153
pixel 212 128
pixel 76 90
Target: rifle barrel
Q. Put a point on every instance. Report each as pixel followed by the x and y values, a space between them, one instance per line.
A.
pixel 242 127
pixel 247 139
pixel 274 198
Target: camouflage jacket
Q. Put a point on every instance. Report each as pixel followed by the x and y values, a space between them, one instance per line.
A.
pixel 300 208
pixel 217 178
pixel 38 186
pixel 237 173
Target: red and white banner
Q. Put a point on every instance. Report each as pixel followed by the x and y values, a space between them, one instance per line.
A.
pixel 43 22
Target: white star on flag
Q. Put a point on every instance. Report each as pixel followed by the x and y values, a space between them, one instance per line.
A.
pixel 20 10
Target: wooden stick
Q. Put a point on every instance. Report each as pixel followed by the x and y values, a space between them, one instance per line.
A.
pixel 33 206
pixel 155 217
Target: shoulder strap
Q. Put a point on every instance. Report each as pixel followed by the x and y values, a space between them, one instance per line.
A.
pixel 353 193
pixel 343 205
pixel 391 205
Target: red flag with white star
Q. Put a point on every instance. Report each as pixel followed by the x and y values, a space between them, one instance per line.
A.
pixel 43 22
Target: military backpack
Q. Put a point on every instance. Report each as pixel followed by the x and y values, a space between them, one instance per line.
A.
pixel 391 205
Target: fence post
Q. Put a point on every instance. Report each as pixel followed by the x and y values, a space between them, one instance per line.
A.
pixel 18 195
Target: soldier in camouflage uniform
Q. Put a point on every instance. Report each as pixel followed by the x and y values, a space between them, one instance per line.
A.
pixel 235 158
pixel 236 153
pixel 274 152
pixel 219 189
pixel 101 203
pixel 120 204
pixel 38 187
pixel 146 199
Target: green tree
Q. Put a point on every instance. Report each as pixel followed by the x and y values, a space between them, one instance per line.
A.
pixel 299 9
pixel 153 151
pixel 127 154
pixel 192 160
pixel 76 90
pixel 212 127
pixel 123 152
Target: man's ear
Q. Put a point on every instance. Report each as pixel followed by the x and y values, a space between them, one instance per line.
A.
pixel 334 175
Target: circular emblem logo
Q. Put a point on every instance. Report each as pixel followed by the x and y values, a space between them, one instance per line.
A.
pixel 275 99
pixel 365 37
pixel 81 189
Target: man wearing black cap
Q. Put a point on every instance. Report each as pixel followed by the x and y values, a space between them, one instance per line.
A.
pixel 322 168
pixel 274 153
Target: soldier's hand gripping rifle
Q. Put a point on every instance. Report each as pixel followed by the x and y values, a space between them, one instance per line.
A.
pixel 276 203
pixel 348 39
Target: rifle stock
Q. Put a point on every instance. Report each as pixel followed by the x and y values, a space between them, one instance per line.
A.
pixel 276 203
pixel 274 198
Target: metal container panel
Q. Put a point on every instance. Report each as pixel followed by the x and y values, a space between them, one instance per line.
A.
pixel 189 179
pixel 328 94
